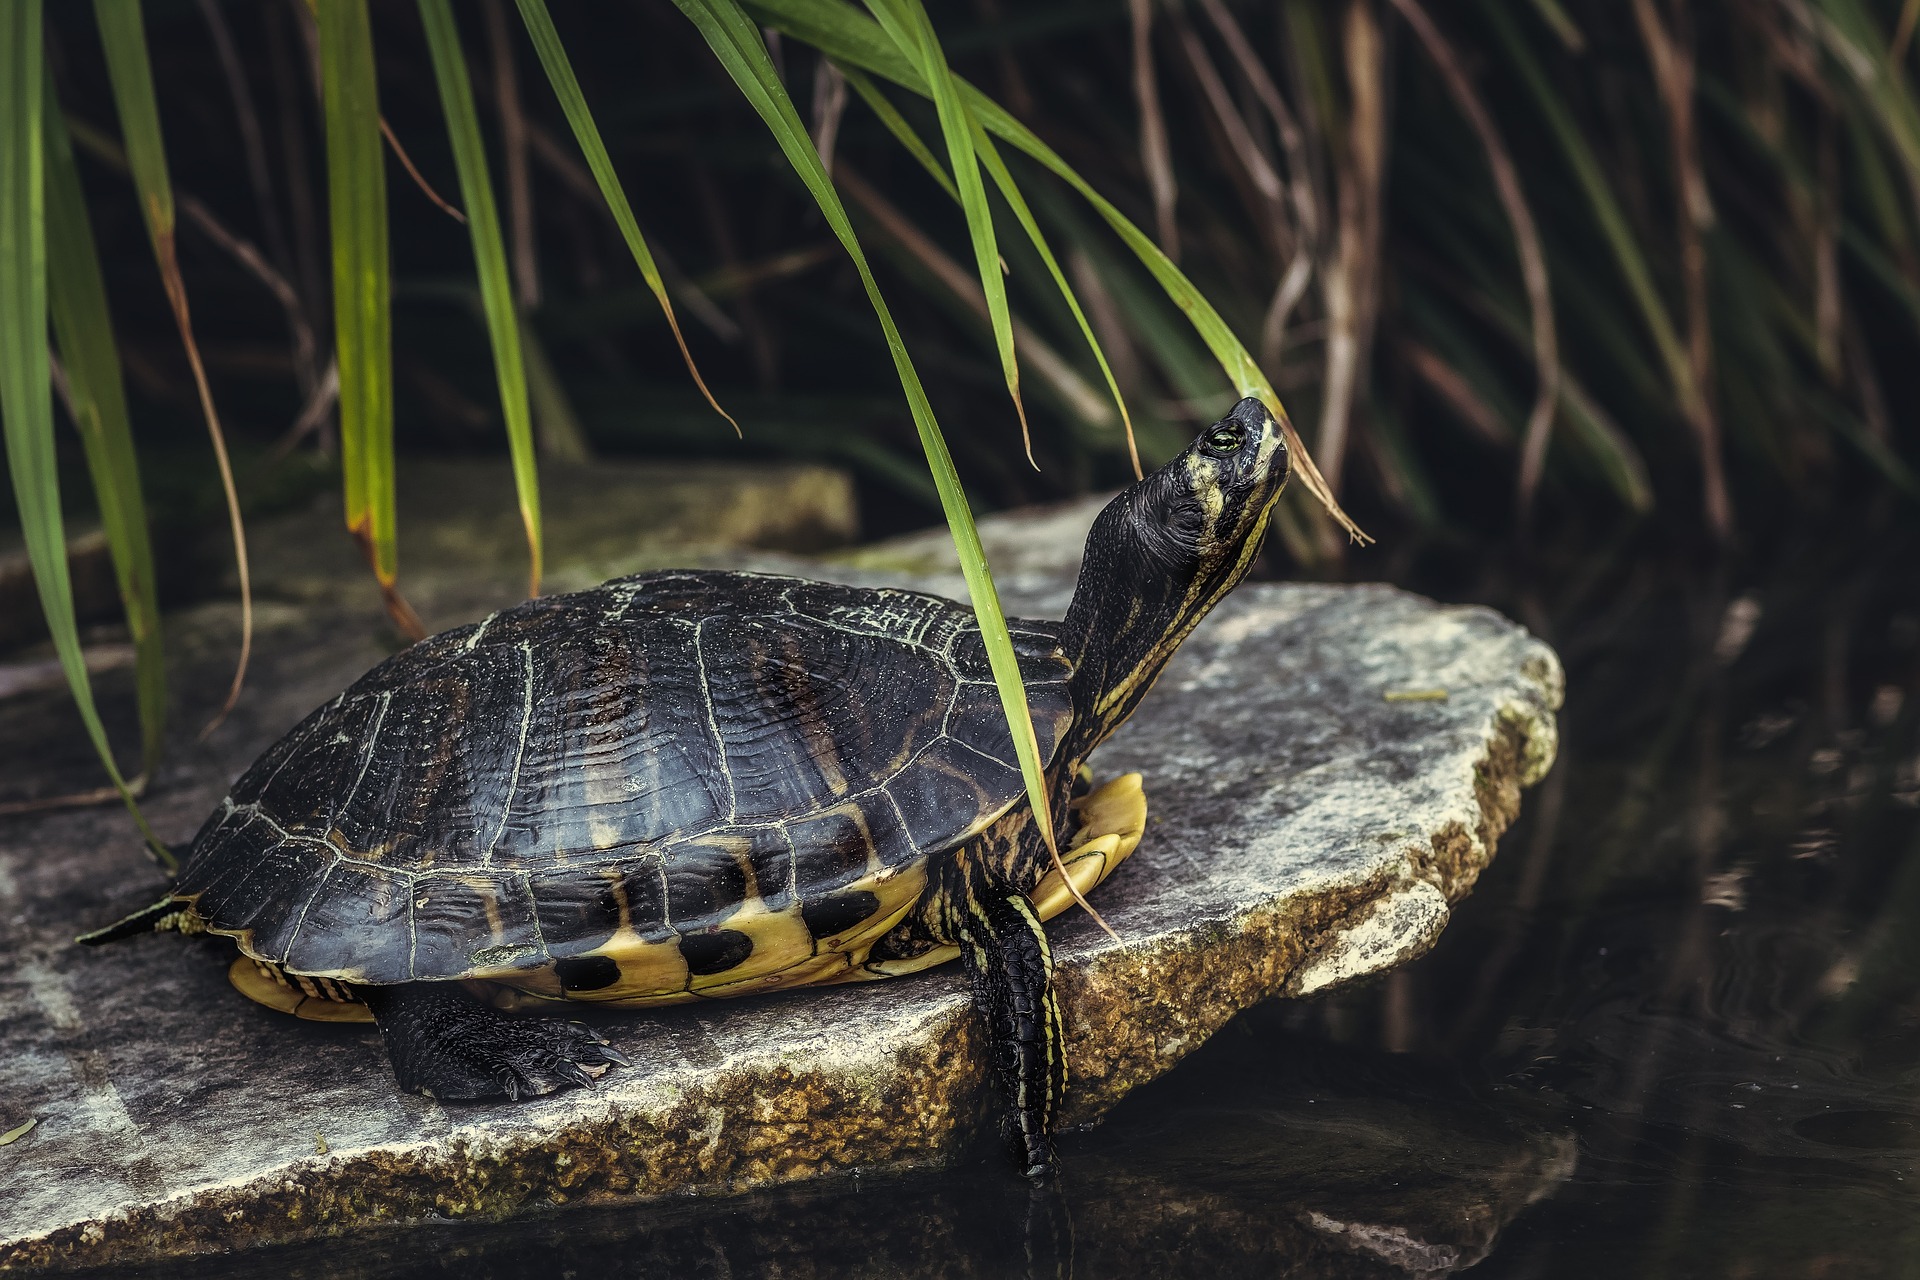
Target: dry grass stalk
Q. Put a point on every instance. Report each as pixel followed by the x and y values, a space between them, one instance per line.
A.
pixel 513 142
pixel 1156 156
pixel 1452 387
pixel 829 106
pixel 566 165
pixel 1526 239
pixel 1671 56
pixel 1351 282
pixel 440 202
pixel 1251 158
pixel 253 148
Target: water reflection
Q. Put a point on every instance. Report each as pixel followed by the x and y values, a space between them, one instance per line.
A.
pixel 1702 942
pixel 1275 1154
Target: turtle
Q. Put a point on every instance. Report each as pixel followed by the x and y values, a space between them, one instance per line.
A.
pixel 690 785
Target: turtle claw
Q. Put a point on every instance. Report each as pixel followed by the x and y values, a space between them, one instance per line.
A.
pixel 574 1073
pixel 451 1047
pixel 613 1055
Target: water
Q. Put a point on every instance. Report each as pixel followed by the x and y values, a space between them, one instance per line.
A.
pixel 1674 1033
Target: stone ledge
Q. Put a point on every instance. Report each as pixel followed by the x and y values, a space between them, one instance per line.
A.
pixel 1304 831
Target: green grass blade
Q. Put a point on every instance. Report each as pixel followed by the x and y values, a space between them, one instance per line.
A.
pixel 84 329
pixel 26 384
pixel 362 290
pixel 906 21
pixel 905 134
pixel 553 57
pixel 996 167
pixel 1852 36
pixel 490 259
pixel 561 436
pixel 124 40
pixel 1563 26
pixel 737 43
pixel 849 37
pixel 1606 209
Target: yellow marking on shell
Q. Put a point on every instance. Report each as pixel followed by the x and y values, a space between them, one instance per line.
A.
pixel 264 984
pixel 490 903
pixel 781 944
pixel 1112 820
pixel 837 958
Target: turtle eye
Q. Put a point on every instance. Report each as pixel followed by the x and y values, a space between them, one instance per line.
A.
pixel 1225 438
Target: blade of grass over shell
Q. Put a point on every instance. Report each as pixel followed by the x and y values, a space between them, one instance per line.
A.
pixel 996 167
pixel 362 289
pixel 490 259
pixel 124 39
pixel 566 87
pixel 851 38
pixel 907 23
pixel 26 381
pixel 737 43
pixel 83 327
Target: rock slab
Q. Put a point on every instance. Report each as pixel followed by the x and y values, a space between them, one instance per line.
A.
pixel 1328 769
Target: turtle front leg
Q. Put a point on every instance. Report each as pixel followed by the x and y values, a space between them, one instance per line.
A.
pixel 446 1045
pixel 1004 948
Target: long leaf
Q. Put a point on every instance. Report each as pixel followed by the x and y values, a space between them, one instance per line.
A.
pixel 26 385
pixel 362 289
pixel 490 258
pixel 553 56
pixel 849 37
pixel 1010 191
pixel 737 43
pixel 124 40
pixel 84 328
pixel 906 22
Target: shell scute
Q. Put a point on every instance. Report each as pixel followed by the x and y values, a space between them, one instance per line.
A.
pixel 353 906
pixel 617 753
pixel 950 778
pixel 838 846
pixel 711 779
pixel 309 785
pixel 475 919
pixel 261 872
pixel 706 883
pixel 583 909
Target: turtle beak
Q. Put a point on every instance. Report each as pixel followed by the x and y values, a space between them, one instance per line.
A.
pixel 1264 433
pixel 1252 415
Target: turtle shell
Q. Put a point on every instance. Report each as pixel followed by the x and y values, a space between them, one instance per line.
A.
pixel 679 782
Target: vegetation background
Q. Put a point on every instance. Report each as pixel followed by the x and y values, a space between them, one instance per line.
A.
pixel 1602 311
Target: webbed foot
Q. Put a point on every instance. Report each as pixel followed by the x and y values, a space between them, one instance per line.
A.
pixel 446 1045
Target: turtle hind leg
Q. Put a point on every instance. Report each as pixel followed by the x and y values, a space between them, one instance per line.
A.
pixel 446 1045
pixel 1004 948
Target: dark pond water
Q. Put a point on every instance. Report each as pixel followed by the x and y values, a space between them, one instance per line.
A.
pixel 1674 1033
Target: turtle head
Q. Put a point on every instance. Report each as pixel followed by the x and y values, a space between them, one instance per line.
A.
pixel 1163 553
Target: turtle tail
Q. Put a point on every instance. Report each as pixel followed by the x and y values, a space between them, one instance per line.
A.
pixel 163 916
